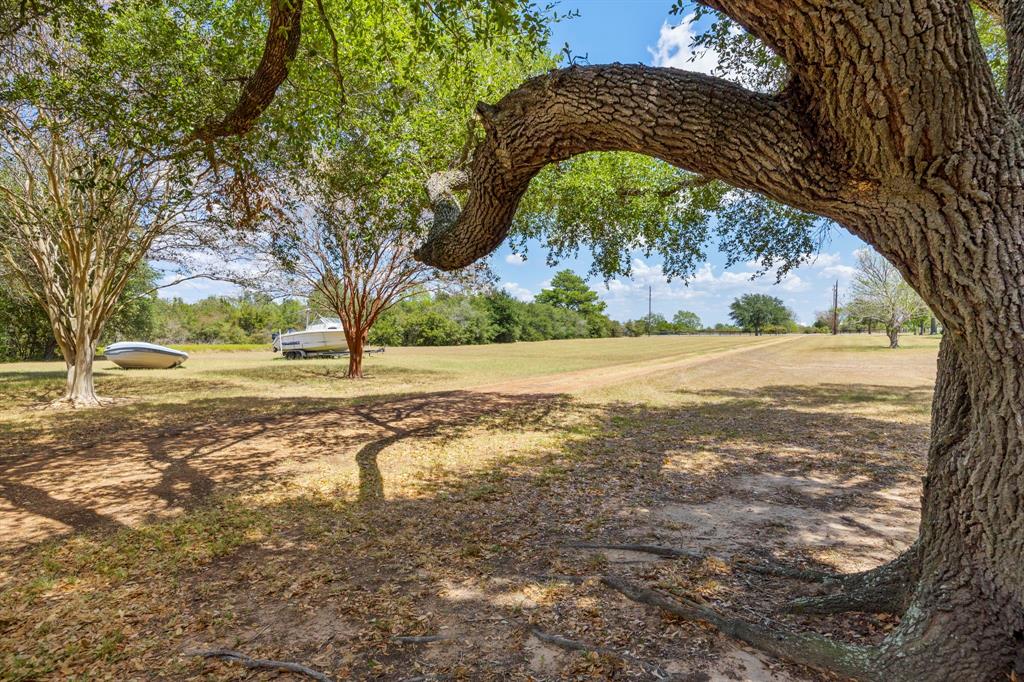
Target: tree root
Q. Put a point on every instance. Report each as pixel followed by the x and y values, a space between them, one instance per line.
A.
pixel 805 574
pixel 813 651
pixel 884 589
pixel 676 553
pixel 260 663
pixel 865 600
pixel 575 645
pixel 558 577
pixel 666 552
pixel 424 639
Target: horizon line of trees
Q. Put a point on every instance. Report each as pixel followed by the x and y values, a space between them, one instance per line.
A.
pixel 568 309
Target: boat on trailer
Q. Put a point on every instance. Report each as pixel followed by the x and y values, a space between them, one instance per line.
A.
pixel 325 337
pixel 142 355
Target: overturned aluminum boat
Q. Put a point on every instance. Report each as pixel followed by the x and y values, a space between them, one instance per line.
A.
pixel 141 355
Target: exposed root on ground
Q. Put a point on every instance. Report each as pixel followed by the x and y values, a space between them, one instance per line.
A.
pixel 420 639
pixel 557 577
pixel 666 552
pixel 884 589
pixel 813 651
pixel 676 553
pixel 260 663
pixel 575 645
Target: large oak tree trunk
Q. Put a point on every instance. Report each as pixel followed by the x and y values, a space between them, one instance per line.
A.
pixel 964 620
pixel 891 125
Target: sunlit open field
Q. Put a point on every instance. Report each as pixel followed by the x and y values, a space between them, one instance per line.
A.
pixel 272 507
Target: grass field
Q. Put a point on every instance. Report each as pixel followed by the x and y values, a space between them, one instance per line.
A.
pixel 269 506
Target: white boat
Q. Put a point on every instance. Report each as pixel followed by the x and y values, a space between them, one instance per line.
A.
pixel 141 355
pixel 325 336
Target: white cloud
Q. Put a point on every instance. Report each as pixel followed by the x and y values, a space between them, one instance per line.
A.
pixel 825 260
pixel 675 49
pixel 831 265
pixel 514 259
pixel 844 272
pixel 793 283
pixel 518 291
pixel 705 292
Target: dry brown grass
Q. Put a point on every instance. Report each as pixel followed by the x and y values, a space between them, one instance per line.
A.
pixel 318 530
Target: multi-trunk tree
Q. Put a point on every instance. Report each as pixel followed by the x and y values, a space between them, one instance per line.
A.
pixel 881 295
pixel 353 256
pixel 890 123
pixel 77 218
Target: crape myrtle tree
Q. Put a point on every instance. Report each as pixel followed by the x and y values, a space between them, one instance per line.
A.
pixel 352 253
pixel 354 265
pixel 77 217
pixel 881 294
pixel 123 122
pixel 754 312
pixel 890 122
pixel 355 205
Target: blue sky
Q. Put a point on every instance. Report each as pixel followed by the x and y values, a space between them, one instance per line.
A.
pixel 642 31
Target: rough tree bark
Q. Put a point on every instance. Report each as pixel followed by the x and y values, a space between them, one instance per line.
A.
pixel 283 37
pixel 892 126
pixel 80 390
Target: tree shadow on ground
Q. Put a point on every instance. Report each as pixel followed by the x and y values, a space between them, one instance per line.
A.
pixel 831 395
pixel 464 553
pixel 144 462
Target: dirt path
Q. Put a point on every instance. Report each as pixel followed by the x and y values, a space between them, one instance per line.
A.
pixel 128 472
pixel 454 514
pixel 599 377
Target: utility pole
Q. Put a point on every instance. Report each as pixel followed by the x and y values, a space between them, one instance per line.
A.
pixel 649 311
pixel 835 308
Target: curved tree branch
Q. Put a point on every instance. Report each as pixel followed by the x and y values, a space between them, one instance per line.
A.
pixel 699 123
pixel 282 44
pixel 993 7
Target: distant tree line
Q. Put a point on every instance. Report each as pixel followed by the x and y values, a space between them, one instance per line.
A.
pixel 246 319
pixel 567 309
pixel 27 334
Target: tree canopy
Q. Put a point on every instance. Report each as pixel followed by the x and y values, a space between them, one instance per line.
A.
pixel 755 312
pixel 892 120
pixel 571 292
pixel 684 320
pixel 881 294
